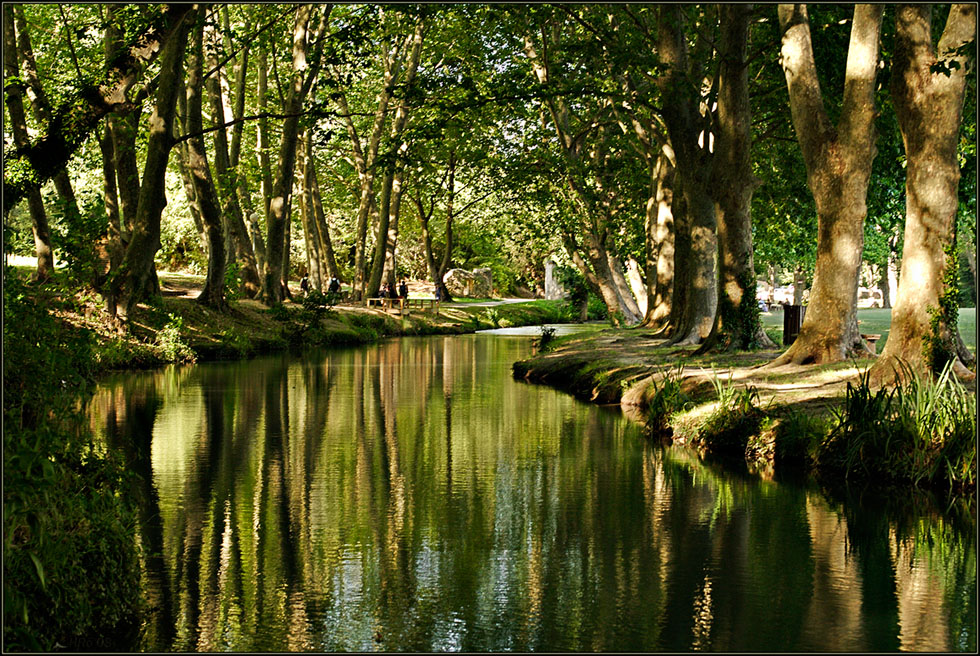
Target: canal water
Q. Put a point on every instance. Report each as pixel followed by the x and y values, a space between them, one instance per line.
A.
pixel 412 496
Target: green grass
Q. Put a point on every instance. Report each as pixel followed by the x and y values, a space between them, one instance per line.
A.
pixel 878 321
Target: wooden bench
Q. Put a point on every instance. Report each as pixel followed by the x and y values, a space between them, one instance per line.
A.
pixel 871 339
pixel 423 303
pixel 393 305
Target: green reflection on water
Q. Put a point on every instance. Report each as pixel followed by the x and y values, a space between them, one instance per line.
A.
pixel 412 496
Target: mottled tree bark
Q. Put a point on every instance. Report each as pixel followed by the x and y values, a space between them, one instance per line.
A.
pixel 691 143
pixel 276 265
pixel 838 163
pixel 929 106
pixel 229 187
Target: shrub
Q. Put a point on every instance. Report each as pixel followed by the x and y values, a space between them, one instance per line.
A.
pixel 171 343
pixel 544 342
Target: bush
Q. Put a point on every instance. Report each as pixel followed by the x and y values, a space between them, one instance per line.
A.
pixel 171 343
pixel 71 562
pixel 544 342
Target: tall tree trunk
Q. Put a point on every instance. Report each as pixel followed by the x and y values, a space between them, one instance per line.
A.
pixel 213 294
pixel 311 232
pixel 18 124
pixel 660 243
pixel 113 243
pixel 838 164
pixel 737 323
pixel 693 162
pixel 264 143
pixel 323 227
pixel 229 187
pixel 398 125
pixel 137 277
pixel 391 265
pixel 276 266
pixel 929 107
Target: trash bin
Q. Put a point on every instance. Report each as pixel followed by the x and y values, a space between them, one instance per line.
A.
pixel 792 320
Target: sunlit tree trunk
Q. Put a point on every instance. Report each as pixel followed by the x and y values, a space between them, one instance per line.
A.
pixel 660 245
pixel 276 265
pixel 213 294
pixel 691 143
pixel 137 277
pixel 113 242
pixel 929 106
pixel 229 186
pixel 311 233
pixel 397 128
pixel 737 323
pixel 838 164
pixel 13 92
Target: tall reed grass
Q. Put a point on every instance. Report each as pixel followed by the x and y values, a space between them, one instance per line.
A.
pixel 923 432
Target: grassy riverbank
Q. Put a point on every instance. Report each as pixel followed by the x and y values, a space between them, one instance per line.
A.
pixel 825 419
pixel 176 328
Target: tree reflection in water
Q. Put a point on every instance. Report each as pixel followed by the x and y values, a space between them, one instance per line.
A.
pixel 412 496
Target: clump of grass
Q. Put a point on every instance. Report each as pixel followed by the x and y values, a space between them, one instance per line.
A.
pixel 727 429
pixel 668 398
pixel 921 432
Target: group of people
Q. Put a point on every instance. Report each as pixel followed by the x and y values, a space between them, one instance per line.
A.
pixel 389 291
pixel 334 287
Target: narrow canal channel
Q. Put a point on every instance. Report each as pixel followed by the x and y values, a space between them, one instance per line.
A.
pixel 411 496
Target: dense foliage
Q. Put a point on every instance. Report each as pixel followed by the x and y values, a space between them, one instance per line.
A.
pixel 71 568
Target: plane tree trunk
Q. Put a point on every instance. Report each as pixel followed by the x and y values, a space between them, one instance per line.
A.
pixel 696 315
pixel 276 265
pixel 838 164
pixel 929 107
pixel 737 323
pixel 136 279
pixel 213 293
pixel 229 186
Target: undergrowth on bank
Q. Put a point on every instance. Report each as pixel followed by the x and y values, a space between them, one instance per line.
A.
pixel 71 577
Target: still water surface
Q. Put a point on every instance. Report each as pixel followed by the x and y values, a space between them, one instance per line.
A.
pixel 411 496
